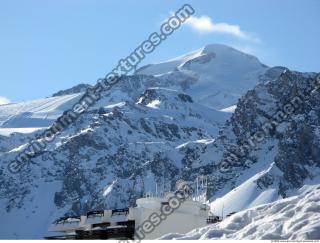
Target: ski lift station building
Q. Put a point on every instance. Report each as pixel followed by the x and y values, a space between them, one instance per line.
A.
pixel 150 219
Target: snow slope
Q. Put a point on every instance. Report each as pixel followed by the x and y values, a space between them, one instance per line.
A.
pixel 250 193
pixel 218 75
pixel 247 195
pixel 169 65
pixel 30 116
pixel 8 131
pixel 293 218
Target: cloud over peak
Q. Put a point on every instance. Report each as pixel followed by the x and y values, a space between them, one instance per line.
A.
pixel 204 24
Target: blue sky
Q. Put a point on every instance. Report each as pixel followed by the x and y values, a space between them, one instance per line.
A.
pixel 46 46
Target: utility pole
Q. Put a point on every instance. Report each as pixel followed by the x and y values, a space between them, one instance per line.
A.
pixel 222 210
pixel 156 189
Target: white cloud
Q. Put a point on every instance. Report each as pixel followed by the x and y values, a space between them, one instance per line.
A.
pixel 4 100
pixel 204 24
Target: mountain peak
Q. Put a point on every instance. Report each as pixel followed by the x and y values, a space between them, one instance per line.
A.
pixel 214 47
pixel 228 51
pixel 217 75
pixel 224 54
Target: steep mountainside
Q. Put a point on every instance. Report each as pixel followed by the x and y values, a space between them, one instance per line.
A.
pixel 113 154
pixel 271 144
pixel 147 133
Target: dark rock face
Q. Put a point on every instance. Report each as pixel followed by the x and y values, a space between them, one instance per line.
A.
pixel 283 111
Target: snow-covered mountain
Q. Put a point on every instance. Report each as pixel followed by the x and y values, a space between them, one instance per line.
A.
pixel 215 75
pixel 109 157
pixel 158 126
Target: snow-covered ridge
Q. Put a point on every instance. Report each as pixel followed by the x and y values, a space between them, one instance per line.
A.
pixel 247 195
pixel 213 50
pixel 293 218
pixel 80 88
pixel 215 75
pixel 218 75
